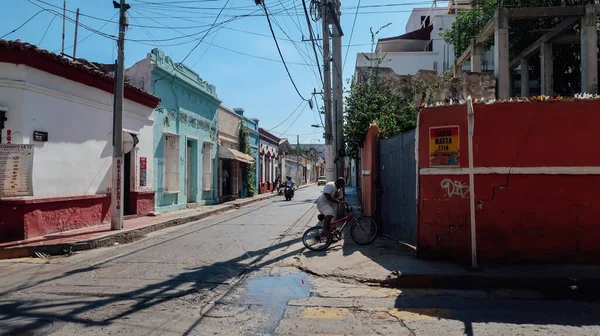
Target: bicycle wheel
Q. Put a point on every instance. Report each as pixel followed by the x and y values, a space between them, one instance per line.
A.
pixel 316 238
pixel 364 230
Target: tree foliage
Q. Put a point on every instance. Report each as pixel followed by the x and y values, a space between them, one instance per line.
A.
pixel 522 34
pixel 372 101
pixel 248 176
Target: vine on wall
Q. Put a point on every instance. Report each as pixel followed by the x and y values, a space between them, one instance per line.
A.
pixel 248 177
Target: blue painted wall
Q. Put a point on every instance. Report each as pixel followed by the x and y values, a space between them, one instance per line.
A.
pixel 188 108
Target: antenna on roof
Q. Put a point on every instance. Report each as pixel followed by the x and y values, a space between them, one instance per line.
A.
pixel 64 17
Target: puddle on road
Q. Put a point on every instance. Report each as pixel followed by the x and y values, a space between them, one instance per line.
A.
pixel 274 293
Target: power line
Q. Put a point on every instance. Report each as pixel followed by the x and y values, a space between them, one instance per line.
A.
pixel 312 39
pixel 211 41
pixel 24 23
pixel 221 47
pixel 288 117
pixel 46 32
pixel 298 116
pixel 197 44
pixel 296 46
pixel 351 34
pixel 279 50
pixel 92 33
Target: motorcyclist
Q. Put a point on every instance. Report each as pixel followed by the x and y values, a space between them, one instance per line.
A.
pixel 290 183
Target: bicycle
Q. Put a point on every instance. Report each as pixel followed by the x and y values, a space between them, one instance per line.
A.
pixel 360 225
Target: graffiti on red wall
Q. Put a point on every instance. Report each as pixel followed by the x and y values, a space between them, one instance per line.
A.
pixel 444 146
pixel 455 188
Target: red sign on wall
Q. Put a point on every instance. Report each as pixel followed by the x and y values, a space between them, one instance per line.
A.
pixel 143 171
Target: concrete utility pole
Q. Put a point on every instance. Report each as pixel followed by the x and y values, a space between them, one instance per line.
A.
pixel 330 170
pixel 117 166
pixel 338 88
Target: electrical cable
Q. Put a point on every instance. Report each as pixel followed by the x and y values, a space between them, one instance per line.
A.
pixel 298 116
pixel 24 23
pixel 197 44
pixel 211 41
pixel 279 50
pixel 91 34
pixel 221 47
pixel 302 54
pixel 351 34
pixel 288 117
pixel 312 38
pixel 46 32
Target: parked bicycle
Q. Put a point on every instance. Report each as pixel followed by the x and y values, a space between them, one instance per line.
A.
pixel 363 230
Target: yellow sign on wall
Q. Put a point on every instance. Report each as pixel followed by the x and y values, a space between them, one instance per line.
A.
pixel 444 146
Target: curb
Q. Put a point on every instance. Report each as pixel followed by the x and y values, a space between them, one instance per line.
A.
pixel 122 237
pixel 485 282
pixel 563 286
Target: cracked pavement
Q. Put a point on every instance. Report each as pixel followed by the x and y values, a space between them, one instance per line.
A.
pixel 240 273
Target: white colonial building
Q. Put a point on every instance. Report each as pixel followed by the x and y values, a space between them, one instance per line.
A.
pixel 63 109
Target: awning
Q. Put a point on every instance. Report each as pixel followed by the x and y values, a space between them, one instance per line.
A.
pixel 232 154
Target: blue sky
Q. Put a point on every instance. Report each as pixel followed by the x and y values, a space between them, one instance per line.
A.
pixel 230 57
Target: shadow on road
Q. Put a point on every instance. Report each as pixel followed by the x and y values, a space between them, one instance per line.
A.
pixel 73 310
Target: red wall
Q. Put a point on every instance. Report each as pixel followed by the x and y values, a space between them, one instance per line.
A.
pixel 370 166
pixel 541 216
pixel 28 218
pixel 265 187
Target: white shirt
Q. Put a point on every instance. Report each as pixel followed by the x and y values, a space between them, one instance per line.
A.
pixel 329 189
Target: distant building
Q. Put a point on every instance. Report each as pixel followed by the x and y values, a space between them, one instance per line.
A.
pixel 268 160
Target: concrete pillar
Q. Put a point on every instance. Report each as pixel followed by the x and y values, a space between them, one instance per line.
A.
pixel 524 77
pixel 589 51
pixel 501 56
pixel 546 69
pixel 475 56
pixel 458 72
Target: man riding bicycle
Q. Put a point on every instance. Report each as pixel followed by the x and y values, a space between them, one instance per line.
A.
pixel 327 200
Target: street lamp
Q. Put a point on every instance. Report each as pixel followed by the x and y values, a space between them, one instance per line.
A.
pixel 316 126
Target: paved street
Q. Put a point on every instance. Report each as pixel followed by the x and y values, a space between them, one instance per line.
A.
pixel 235 274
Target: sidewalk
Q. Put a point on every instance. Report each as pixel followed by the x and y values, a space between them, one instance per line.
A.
pixel 133 229
pixel 386 262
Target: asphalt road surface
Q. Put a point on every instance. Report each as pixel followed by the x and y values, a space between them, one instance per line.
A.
pixel 234 274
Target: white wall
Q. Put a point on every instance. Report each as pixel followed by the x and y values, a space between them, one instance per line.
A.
pixel 77 158
pixel 403 63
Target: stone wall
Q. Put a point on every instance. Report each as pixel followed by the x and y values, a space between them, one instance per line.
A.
pixel 480 85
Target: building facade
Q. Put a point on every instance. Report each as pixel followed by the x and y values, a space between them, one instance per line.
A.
pixel 268 160
pixel 231 160
pixel 252 128
pixel 185 132
pixel 58 141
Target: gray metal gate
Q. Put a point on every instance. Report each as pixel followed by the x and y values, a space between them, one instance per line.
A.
pixel 398 187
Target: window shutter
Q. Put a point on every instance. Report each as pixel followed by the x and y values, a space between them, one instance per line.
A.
pixel 207 180
pixel 171 181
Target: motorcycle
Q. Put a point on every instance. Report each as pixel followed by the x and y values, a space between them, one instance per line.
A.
pixel 289 193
